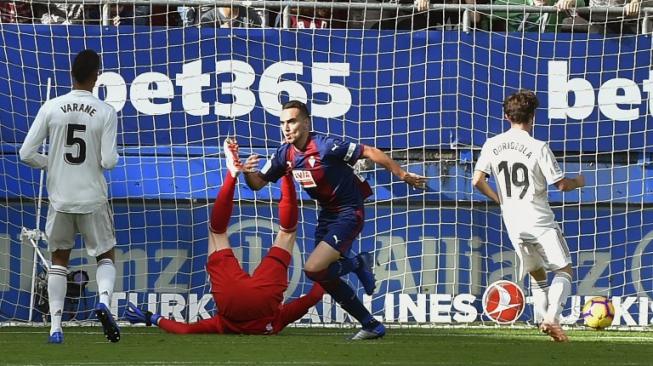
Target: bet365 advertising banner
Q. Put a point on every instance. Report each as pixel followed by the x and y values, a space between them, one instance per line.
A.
pixel 185 89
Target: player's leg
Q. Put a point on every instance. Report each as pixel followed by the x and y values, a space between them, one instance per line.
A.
pixel 316 268
pixel 97 229
pixel 555 252
pixel 539 291
pixel 272 273
pixel 222 265
pixel 322 267
pixel 106 277
pixel 339 231
pixel 60 231
pixel 224 202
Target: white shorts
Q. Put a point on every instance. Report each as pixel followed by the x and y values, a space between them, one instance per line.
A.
pixel 96 229
pixel 547 249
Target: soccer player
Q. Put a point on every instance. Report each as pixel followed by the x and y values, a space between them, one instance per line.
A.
pixel 246 304
pixel 82 143
pixel 323 166
pixel 523 167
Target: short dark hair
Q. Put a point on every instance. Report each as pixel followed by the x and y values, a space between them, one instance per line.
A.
pixel 299 105
pixel 85 65
pixel 520 107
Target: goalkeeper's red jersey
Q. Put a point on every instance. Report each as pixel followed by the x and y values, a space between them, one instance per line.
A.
pixel 286 314
pixel 249 304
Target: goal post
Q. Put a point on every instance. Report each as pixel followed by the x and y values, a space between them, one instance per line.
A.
pixel 430 99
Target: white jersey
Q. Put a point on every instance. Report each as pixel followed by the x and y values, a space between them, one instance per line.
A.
pixel 523 167
pixel 82 142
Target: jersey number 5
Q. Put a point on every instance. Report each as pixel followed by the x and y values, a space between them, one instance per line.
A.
pixel 72 140
pixel 513 177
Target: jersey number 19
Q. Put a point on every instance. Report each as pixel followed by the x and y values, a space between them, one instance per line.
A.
pixel 514 178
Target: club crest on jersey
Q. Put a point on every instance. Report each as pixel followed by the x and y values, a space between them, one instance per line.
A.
pixel 305 178
pixel 311 161
pixel 503 302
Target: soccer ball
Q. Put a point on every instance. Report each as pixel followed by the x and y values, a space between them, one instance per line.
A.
pixel 598 312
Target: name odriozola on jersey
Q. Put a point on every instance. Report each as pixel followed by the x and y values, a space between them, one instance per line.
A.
pixel 523 167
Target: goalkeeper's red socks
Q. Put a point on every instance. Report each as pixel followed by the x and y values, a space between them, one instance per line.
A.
pixel 288 212
pixel 223 206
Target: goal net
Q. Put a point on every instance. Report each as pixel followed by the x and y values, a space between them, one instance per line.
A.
pixel 429 99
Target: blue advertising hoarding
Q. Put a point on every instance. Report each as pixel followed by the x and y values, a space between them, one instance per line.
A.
pixel 182 90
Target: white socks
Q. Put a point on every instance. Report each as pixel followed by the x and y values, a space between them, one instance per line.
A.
pixel 539 290
pixel 559 291
pixel 57 285
pixel 106 278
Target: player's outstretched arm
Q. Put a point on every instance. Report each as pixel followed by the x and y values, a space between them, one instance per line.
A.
pixel 136 315
pixel 569 184
pixel 253 176
pixel 479 181
pixel 381 158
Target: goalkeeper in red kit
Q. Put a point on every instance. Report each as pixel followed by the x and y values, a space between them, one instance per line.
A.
pixel 246 304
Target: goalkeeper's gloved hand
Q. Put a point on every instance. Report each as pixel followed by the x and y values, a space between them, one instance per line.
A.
pixel 136 315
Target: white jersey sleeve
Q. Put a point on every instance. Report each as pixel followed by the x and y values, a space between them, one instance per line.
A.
pixel 549 166
pixel 109 150
pixel 34 139
pixel 484 163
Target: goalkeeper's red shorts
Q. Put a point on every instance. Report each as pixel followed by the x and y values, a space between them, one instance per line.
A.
pixel 241 297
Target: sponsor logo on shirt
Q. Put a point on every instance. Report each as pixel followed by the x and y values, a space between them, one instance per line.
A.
pixel 305 178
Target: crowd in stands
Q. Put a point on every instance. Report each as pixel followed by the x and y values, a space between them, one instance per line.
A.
pixel 420 17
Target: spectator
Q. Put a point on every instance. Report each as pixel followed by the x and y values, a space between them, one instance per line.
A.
pixel 15 12
pixel 157 15
pixel 230 17
pixel 604 23
pixel 369 18
pixel 522 21
pixel 423 18
pixel 314 18
pixel 64 13
pixel 121 15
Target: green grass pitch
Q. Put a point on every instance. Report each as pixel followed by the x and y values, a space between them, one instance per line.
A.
pixel 318 346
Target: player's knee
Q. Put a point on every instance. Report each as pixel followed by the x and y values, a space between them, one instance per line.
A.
pixel 565 271
pixel 317 276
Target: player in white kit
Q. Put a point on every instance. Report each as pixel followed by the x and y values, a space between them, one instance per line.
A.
pixel 82 143
pixel 523 167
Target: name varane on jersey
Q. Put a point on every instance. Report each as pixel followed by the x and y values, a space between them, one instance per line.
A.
pixel 81 132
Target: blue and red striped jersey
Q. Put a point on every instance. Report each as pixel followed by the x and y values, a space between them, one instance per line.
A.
pixel 324 169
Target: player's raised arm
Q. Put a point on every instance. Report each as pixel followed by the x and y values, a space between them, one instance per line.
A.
pixel 381 158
